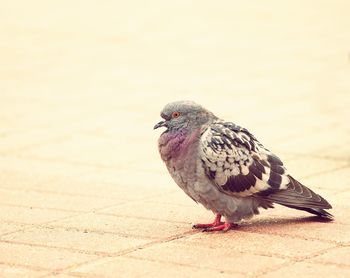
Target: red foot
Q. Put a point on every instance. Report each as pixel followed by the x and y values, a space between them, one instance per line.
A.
pixel 223 227
pixel 217 225
pixel 217 222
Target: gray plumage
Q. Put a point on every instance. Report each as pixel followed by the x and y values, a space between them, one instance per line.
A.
pixel 225 168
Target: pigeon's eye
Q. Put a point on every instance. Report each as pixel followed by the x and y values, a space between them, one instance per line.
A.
pixel 175 114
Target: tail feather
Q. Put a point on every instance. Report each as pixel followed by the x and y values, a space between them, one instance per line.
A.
pixel 316 211
pixel 300 197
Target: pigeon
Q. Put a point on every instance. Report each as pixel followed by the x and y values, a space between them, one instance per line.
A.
pixel 226 169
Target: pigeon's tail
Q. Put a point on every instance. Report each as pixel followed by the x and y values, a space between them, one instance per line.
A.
pixel 300 197
pixel 316 211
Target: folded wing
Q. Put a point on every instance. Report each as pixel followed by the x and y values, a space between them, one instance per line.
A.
pixel 239 165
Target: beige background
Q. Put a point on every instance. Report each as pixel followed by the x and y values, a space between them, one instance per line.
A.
pixel 82 187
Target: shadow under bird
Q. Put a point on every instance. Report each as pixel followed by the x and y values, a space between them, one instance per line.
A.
pixel 225 168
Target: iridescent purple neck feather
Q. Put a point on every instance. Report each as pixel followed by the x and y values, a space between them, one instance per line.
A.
pixel 174 144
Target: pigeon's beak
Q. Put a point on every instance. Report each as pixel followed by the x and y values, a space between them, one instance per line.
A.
pixel 160 124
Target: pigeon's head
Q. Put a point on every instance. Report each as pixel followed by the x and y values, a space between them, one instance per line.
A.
pixel 184 115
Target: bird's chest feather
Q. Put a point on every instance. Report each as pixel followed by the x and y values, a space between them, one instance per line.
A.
pixel 177 149
pixel 180 154
pixel 175 145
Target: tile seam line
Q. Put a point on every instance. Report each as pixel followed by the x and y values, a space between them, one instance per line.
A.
pixel 183 264
pixel 51 224
pixel 60 248
pixel 268 254
pixel 305 259
pixel 48 226
pixel 181 236
pixel 324 251
pixel 152 243
pixel 142 218
pixel 34 268
pixel 130 250
pixel 272 269
pixel 96 232
pixel 345 266
pixel 54 193
pixel 31 225
pixel 282 235
pixel 77 213
pixel 273 255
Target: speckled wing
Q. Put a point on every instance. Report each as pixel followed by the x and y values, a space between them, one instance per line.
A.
pixel 238 164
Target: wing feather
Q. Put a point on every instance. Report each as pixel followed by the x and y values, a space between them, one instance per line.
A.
pixel 238 164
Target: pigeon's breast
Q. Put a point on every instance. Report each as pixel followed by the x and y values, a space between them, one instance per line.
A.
pixel 175 145
pixel 169 145
pixel 179 151
pixel 180 154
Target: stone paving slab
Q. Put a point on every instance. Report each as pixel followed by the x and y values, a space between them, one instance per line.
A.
pixel 260 244
pixel 339 256
pixel 223 259
pixel 37 257
pixel 29 215
pixel 125 226
pixel 135 267
pixel 11 271
pixel 83 192
pixel 305 269
pixel 54 201
pixel 80 240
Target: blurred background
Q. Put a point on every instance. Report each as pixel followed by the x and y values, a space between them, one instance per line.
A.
pixel 84 81
pixel 83 190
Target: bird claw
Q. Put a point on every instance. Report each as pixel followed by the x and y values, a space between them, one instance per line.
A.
pixel 206 226
pixel 217 225
pixel 217 222
pixel 224 227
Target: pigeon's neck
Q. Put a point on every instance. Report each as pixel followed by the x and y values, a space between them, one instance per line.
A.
pixel 174 144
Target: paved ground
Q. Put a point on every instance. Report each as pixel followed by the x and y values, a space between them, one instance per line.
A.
pixel 83 192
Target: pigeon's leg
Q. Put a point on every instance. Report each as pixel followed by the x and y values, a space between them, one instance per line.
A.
pixel 217 222
pixel 223 227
